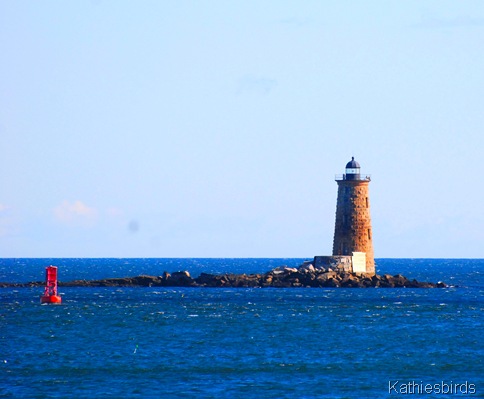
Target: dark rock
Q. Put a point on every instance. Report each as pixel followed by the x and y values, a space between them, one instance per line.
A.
pixel 146 281
pixel 205 279
pixel 180 279
pixel 332 282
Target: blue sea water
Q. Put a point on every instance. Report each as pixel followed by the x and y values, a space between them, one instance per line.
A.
pixel 238 343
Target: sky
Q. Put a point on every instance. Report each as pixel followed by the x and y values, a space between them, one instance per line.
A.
pixel 215 128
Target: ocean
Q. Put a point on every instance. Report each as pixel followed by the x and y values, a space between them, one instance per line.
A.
pixel 241 342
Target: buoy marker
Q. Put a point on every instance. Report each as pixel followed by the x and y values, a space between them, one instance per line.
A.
pixel 50 291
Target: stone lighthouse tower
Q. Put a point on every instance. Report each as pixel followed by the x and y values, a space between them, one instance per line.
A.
pixel 352 230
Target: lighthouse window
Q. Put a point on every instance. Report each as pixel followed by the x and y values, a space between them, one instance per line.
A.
pixel 369 234
pixel 367 202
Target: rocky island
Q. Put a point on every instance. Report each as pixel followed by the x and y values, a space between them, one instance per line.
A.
pixel 281 277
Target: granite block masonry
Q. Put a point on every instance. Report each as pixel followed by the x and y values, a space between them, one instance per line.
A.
pixel 352 229
pixel 353 236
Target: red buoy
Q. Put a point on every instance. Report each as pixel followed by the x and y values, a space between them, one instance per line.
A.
pixel 50 292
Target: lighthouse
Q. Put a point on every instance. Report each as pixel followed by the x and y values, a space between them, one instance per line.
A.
pixel 353 235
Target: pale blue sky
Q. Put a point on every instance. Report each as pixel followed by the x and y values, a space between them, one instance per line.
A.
pixel 215 128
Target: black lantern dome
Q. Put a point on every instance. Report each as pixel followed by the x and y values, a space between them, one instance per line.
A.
pixel 352 170
pixel 352 164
